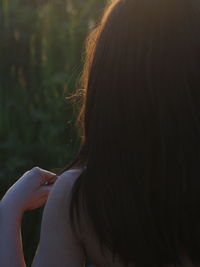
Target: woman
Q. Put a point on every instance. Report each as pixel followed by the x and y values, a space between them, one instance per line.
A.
pixel 132 197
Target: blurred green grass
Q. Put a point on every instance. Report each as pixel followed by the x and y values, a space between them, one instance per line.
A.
pixel 40 61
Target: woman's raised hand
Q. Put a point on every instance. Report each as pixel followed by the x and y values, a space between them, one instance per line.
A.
pixel 29 192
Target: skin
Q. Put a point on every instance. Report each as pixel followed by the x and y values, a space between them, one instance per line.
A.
pixel 58 245
pixel 29 192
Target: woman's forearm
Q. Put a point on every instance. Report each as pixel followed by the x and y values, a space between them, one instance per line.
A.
pixel 29 192
pixel 11 249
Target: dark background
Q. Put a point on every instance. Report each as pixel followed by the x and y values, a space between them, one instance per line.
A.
pixel 41 46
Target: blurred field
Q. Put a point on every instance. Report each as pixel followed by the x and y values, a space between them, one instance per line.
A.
pixel 40 61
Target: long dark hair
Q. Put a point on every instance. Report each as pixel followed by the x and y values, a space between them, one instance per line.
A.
pixel 141 132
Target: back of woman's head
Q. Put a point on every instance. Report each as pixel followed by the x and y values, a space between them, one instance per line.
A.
pixel 141 118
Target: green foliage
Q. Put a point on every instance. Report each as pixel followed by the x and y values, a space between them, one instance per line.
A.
pixel 40 61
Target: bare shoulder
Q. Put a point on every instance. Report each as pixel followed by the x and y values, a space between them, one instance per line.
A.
pixel 66 181
pixel 63 186
pixel 59 197
pixel 58 245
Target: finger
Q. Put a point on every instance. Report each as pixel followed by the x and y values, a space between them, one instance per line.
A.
pixel 43 174
pixel 47 174
pixel 25 173
pixel 40 202
pixel 45 189
pixel 51 180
